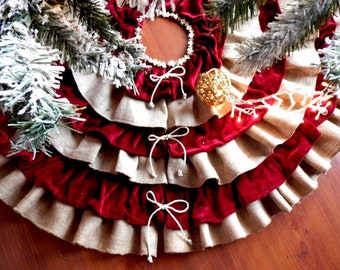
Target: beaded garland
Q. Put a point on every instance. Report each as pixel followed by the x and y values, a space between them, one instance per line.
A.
pixel 190 44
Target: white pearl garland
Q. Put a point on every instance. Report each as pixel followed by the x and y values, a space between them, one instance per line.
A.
pixel 190 44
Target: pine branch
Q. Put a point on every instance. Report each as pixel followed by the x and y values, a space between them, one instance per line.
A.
pixel 92 14
pixel 9 11
pixel 29 76
pixel 330 60
pixel 233 13
pixel 288 33
pixel 33 134
pixel 28 80
pixel 113 57
pixel 55 30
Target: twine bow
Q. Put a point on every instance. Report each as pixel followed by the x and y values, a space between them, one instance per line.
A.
pixel 169 209
pixel 159 7
pixel 167 75
pixel 171 136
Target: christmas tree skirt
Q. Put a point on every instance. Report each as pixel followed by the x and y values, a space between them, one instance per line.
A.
pixel 170 160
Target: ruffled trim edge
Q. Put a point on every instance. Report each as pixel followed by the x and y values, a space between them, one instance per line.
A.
pixel 85 228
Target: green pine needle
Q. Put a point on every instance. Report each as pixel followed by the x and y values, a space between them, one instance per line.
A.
pixel 289 32
pixel 28 80
pixel 233 13
pixel 330 60
pixel 93 46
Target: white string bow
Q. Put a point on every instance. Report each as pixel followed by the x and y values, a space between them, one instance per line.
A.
pixel 167 75
pixel 169 209
pixel 159 6
pixel 171 136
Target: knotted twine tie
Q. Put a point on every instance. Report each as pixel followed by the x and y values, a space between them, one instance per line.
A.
pixel 167 75
pixel 169 209
pixel 166 137
pixel 154 6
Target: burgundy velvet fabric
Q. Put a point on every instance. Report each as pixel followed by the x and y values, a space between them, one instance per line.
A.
pixel 208 45
pixel 5 134
pixel 325 31
pixel 268 13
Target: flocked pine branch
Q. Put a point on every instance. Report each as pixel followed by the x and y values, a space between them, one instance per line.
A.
pixel 110 55
pixel 289 32
pixel 94 16
pixel 330 60
pixel 28 80
pixel 29 76
pixel 91 13
pixel 233 13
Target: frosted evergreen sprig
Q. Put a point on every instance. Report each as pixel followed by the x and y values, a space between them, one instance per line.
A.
pixel 8 9
pixel 289 32
pixel 110 55
pixel 29 76
pixel 330 60
pixel 28 80
pixel 93 15
pixel 233 13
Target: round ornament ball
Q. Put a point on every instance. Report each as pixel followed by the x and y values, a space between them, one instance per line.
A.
pixel 213 87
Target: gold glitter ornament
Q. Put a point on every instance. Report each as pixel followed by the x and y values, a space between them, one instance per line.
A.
pixel 213 87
